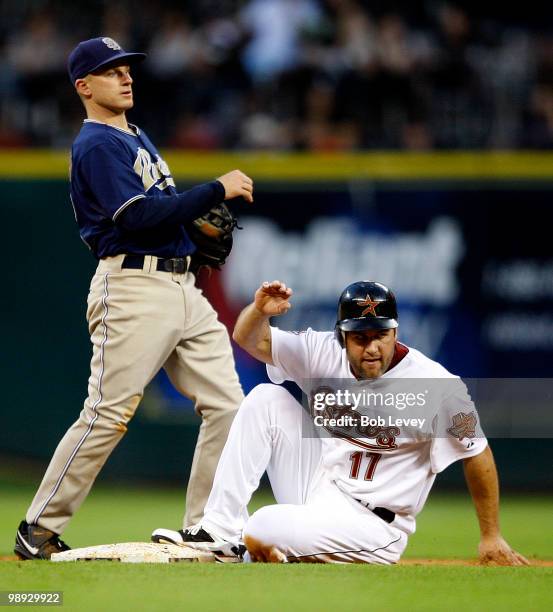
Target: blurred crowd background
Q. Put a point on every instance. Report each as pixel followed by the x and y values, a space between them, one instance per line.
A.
pixel 466 248
pixel 313 75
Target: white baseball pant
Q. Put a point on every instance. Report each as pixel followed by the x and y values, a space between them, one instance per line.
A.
pixel 313 521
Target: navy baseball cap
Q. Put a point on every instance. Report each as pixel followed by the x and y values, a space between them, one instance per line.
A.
pixel 91 55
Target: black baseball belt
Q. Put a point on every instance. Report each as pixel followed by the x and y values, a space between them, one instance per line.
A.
pixel 383 513
pixel 178 265
pixel 386 515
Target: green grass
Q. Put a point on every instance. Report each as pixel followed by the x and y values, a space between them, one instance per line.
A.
pixel 446 528
pixel 109 586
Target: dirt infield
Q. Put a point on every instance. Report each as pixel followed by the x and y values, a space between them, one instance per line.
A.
pixel 452 562
pixel 473 562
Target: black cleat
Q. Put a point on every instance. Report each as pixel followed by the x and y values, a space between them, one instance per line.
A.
pixel 198 538
pixel 35 542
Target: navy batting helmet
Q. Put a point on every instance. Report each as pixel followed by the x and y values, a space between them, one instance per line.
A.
pixel 366 305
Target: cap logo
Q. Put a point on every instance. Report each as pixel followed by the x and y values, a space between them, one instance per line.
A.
pixel 370 305
pixel 109 42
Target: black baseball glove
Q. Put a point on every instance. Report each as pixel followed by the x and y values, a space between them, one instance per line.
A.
pixel 212 235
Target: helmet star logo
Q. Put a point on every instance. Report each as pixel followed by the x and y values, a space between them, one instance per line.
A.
pixel 370 305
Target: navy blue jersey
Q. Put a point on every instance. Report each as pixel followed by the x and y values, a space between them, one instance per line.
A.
pixel 124 196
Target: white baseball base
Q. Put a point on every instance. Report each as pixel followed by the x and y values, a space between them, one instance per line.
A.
pixel 135 552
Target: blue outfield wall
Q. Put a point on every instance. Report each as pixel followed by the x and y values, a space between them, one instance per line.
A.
pixel 471 264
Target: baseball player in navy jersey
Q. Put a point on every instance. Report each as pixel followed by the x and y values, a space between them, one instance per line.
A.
pixel 340 498
pixel 144 311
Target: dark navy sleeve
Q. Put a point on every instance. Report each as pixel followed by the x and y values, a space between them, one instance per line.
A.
pixel 120 192
pixel 111 178
pixel 177 209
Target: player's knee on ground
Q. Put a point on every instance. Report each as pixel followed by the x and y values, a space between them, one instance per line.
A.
pixel 261 539
pixel 263 553
pixel 271 533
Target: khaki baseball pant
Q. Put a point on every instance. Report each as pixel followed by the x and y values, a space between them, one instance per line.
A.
pixel 139 322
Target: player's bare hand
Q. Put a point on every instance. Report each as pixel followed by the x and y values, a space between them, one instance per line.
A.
pixel 496 551
pixel 272 299
pixel 237 184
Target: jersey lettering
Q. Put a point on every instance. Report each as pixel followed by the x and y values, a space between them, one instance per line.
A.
pixel 151 172
pixel 352 430
pixel 357 457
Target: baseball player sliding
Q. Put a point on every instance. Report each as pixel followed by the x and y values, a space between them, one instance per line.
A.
pixel 341 497
pixel 144 311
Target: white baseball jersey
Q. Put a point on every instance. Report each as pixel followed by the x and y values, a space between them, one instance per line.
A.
pixel 395 467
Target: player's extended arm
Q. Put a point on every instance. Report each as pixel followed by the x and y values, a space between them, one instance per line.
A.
pixel 181 208
pixel 252 331
pixel 482 481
